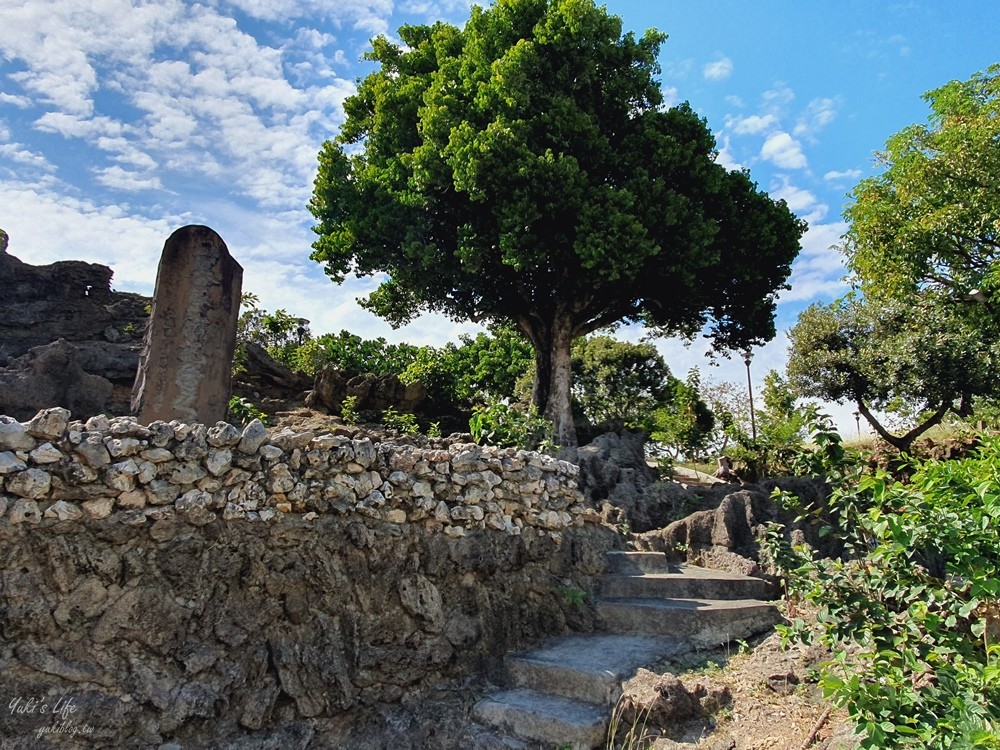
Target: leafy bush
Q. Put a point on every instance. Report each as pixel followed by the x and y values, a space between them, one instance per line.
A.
pixel 502 425
pixel 402 421
pixel 243 411
pixel 912 613
pixel 349 410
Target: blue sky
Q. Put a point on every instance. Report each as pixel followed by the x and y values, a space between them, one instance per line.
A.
pixel 122 120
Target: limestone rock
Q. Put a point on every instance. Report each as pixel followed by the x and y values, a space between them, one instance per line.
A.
pixel 49 424
pixel 63 511
pixel 24 511
pixel 10 463
pixel 253 437
pixel 51 375
pixel 30 483
pixel 14 436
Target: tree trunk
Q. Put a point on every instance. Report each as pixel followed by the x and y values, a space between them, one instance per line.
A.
pixel 903 443
pixel 550 392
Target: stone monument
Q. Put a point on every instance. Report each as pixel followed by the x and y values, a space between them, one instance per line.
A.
pixel 186 364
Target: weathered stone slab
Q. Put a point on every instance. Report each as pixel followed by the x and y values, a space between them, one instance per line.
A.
pixel 185 369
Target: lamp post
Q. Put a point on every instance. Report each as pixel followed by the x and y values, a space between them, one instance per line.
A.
pixel 301 330
pixel 747 357
pixel 857 421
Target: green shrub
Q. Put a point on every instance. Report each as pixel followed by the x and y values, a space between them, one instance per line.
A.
pixel 509 426
pixel 912 613
pixel 349 410
pixel 243 411
pixel 406 423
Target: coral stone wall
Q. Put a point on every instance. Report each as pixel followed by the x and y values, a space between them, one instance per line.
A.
pixel 209 585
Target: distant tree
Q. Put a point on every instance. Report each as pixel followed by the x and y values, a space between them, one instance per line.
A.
pixel 279 332
pixel 683 424
pixel 617 382
pixel 922 356
pixel 354 355
pixel 524 169
pixel 478 370
pixel 931 220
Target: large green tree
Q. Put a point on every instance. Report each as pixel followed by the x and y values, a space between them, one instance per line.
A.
pixel 524 169
pixel 931 219
pixel 919 357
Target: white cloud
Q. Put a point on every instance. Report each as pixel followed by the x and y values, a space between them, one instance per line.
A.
pixel 120 179
pixel 719 70
pixel 778 97
pixel 18 154
pixel 752 124
pixel 783 151
pixel 847 175
pixel 725 156
pixel 734 101
pixel 21 102
pixel 671 96
pixel 819 270
pixel 818 114
pixel 802 202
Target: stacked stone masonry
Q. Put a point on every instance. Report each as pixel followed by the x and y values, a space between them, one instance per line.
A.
pixel 52 468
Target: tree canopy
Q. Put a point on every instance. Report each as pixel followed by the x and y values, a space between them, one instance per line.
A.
pixel 524 169
pixel 915 356
pixel 932 218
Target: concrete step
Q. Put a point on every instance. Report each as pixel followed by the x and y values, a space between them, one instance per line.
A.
pixel 685 582
pixel 702 622
pixel 546 718
pixel 637 563
pixel 588 667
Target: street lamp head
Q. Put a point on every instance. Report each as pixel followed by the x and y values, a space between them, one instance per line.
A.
pixel 978 295
pixel 747 357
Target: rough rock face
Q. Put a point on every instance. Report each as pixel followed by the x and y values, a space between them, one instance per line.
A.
pixel 263 375
pixel 223 588
pixel 374 393
pixel 727 536
pixel 68 300
pixel 51 374
pixel 613 468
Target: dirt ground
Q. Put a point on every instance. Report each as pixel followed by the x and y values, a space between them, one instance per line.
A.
pixel 758 697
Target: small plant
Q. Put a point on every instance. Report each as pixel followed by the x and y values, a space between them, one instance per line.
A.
pixel 635 737
pixel 572 596
pixel 349 410
pixel 243 411
pixel 502 425
pixel 402 421
pixel 434 431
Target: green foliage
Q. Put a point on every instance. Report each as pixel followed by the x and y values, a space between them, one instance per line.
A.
pixel 243 411
pixel 779 426
pixel 349 410
pixel 481 368
pixel 402 421
pixel 523 169
pixel 827 457
pixel 919 356
pixel 280 334
pixel 573 596
pixel 510 426
pixel 354 355
pixel 912 615
pixel 618 382
pixel 931 218
pixel 684 423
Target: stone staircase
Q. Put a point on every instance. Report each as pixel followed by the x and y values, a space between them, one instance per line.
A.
pixel 561 695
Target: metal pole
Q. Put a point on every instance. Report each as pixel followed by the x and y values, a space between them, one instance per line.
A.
pixel 747 356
